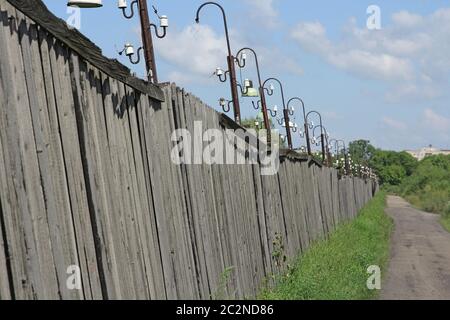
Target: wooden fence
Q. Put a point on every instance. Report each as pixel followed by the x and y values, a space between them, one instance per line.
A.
pixel 86 179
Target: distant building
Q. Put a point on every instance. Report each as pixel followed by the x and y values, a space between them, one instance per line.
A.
pixel 426 152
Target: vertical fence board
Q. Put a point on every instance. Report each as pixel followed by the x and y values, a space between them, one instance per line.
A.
pixel 100 165
pixel 208 258
pixel 11 209
pixel 59 210
pixel 150 218
pixel 117 188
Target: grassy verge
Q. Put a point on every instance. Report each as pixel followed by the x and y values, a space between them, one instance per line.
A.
pixel 336 269
pixel 435 202
pixel 446 222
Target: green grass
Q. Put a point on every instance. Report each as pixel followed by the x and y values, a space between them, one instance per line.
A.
pixel 428 187
pixel 336 269
pixel 446 222
pixel 434 202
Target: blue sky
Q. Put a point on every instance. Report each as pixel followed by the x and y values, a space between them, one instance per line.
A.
pixel 389 86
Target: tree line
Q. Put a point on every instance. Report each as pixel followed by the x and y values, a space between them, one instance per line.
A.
pixel 425 184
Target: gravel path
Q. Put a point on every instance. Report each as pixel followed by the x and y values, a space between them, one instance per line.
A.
pixel 420 255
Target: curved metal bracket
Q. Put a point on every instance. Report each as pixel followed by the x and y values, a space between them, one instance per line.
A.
pixel 243 91
pixel 240 65
pixel 257 105
pixel 224 78
pixel 226 107
pixel 138 54
pixel 124 10
pixel 268 91
pixel 164 32
pixel 273 113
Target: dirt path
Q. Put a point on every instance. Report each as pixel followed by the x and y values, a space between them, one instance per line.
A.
pixel 420 255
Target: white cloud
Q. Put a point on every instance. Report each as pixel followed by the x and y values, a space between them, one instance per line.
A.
pixel 312 36
pixel 263 11
pixel 410 55
pixel 412 91
pixel 186 79
pixel 332 115
pixel 436 122
pixel 394 124
pixel 373 65
pixel 196 49
pixel 359 61
pixel 274 61
pixel 407 19
pixel 407 47
pixel 424 128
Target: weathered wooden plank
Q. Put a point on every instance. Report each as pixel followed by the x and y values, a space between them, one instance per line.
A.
pixel 20 162
pixel 204 215
pixel 297 209
pixel 149 117
pixel 87 88
pixel 80 248
pixel 260 231
pixel 276 226
pixel 8 208
pixel 117 188
pixel 287 187
pixel 146 228
pixel 314 215
pixel 353 197
pixel 127 164
pixel 243 194
pixel 262 223
pixel 323 194
pixel 237 217
pixel 59 211
pixel 234 218
pixel 326 186
pixel 155 249
pixel 301 200
pixel 5 286
pixel 335 197
pixel 305 197
pixel 176 250
pixel 28 33
pixel 92 82
pixel 343 199
pixel 186 272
